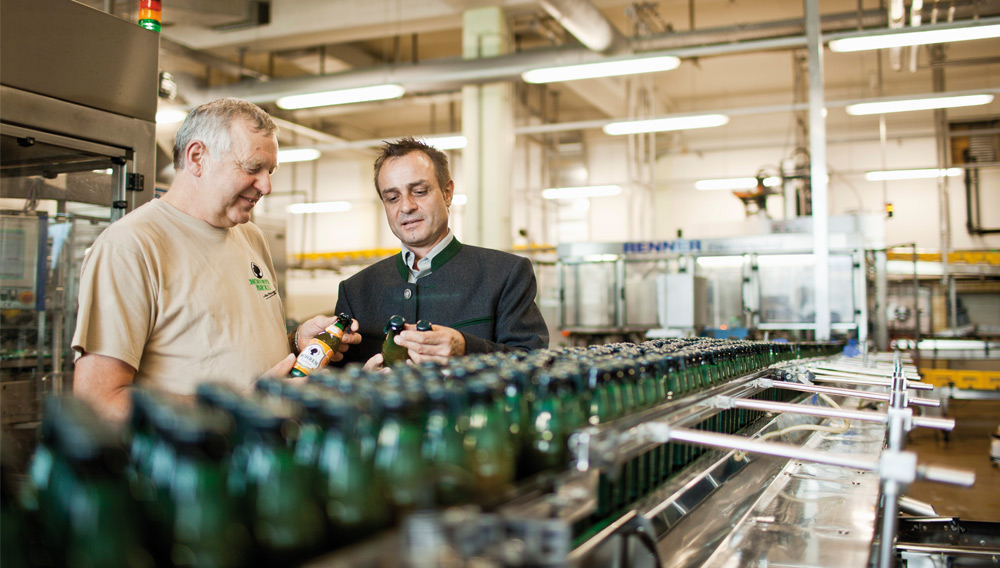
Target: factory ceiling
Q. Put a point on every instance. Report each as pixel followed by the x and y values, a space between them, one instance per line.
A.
pixel 735 54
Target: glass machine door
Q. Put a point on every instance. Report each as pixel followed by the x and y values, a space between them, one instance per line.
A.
pixel 56 195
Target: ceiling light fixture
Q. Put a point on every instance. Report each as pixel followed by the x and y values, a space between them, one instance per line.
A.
pixel 930 173
pixel 456 142
pixel 665 124
pixel 920 37
pixel 297 155
pixel 735 183
pixel 601 69
pixel 923 103
pixel 581 191
pixel 321 207
pixel 341 97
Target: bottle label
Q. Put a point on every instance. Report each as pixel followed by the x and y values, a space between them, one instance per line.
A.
pixel 335 331
pixel 314 356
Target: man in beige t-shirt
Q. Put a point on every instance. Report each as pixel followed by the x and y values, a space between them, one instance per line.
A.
pixel 182 290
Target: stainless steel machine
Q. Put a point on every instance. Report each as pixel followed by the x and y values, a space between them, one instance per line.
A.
pixel 78 96
pixel 814 481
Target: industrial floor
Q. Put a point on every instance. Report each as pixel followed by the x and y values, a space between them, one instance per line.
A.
pixel 967 447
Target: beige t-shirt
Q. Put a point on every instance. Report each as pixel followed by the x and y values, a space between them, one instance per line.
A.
pixel 181 301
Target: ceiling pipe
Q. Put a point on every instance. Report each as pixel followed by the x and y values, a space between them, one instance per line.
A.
pixel 897 17
pixel 549 128
pixel 587 24
pixel 451 74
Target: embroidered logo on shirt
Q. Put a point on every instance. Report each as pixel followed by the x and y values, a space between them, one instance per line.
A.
pixel 258 280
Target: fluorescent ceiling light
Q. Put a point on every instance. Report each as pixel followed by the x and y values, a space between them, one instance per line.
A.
pixel 735 183
pixel 322 207
pixel 890 175
pixel 786 260
pixel 720 261
pixel 170 116
pixel 341 97
pixel 927 103
pixel 447 142
pixel 665 124
pixel 582 191
pixel 459 199
pixel 602 69
pixel 297 155
pixel 901 39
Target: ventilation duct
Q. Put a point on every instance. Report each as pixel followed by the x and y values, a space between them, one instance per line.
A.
pixel 587 24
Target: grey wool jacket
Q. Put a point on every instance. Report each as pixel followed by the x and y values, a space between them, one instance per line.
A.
pixel 487 295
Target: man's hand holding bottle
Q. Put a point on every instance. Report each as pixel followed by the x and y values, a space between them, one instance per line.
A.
pixel 304 335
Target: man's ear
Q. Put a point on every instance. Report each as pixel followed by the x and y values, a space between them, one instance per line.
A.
pixel 195 155
pixel 449 191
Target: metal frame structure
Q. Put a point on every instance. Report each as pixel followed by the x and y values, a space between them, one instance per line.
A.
pixel 740 503
pixel 573 256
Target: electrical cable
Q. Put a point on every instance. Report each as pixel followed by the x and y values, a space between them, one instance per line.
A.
pixel 740 455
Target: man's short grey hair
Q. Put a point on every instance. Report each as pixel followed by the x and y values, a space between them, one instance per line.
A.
pixel 210 123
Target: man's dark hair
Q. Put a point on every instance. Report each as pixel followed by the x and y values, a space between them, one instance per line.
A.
pixel 402 147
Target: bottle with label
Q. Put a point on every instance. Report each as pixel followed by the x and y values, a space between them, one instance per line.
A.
pixel 391 352
pixel 321 348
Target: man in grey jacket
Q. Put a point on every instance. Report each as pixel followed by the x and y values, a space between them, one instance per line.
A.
pixel 479 300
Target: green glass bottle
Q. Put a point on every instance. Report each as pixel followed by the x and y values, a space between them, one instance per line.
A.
pixel 442 448
pixel 602 410
pixel 87 512
pixel 353 504
pixel 546 447
pixel 489 453
pixel 321 348
pixel 15 533
pixel 392 353
pixel 287 521
pixel 206 526
pixel 514 377
pixel 399 466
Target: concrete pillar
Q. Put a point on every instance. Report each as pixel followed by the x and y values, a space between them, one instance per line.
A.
pixel 817 160
pixel 488 125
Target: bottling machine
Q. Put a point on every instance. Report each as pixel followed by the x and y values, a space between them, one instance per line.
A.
pixel 815 480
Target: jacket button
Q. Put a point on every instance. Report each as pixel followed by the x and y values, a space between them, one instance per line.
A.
pixel 407 293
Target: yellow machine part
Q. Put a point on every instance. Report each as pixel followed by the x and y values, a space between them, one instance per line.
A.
pixel 962 379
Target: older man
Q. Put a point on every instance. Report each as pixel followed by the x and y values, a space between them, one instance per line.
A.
pixel 481 300
pixel 183 288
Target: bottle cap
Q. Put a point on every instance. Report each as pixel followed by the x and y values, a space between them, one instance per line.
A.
pixel 423 325
pixel 395 323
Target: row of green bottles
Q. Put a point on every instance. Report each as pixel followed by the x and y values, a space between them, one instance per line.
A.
pixel 78 511
pixel 297 469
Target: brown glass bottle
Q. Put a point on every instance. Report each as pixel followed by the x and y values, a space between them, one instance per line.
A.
pixel 321 348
